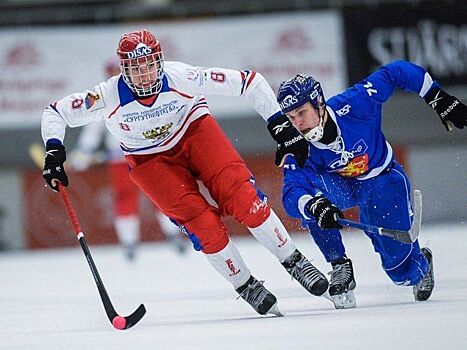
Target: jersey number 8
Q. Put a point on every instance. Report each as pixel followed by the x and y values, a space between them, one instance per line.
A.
pixel 218 77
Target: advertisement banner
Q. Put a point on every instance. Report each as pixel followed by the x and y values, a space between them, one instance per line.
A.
pixel 40 65
pixel 433 35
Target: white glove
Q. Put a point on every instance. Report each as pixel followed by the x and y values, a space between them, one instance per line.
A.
pixel 80 161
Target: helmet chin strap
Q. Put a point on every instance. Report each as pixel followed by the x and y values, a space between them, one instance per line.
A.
pixel 315 134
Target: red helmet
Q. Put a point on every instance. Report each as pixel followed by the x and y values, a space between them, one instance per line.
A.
pixel 141 62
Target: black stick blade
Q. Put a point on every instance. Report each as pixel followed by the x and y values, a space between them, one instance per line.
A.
pixel 126 322
pixel 134 318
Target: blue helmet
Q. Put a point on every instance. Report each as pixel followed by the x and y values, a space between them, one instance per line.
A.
pixel 299 90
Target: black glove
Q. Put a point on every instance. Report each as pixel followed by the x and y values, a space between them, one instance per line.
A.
pixel 324 212
pixel 289 141
pixel 451 111
pixel 53 168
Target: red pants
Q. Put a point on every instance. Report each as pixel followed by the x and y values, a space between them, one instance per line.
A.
pixel 204 153
pixel 124 191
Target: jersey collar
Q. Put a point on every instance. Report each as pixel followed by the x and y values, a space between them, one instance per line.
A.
pixel 126 95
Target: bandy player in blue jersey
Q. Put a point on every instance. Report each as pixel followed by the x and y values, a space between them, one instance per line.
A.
pixel 156 109
pixel 343 160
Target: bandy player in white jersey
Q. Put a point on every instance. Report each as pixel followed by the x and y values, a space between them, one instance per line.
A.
pixel 158 113
pixel 125 194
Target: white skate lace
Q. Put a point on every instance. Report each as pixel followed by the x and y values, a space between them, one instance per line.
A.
pixel 338 146
pixel 254 293
pixel 340 274
pixel 305 273
pixel 426 284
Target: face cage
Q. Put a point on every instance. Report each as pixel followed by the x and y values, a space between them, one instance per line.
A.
pixel 141 67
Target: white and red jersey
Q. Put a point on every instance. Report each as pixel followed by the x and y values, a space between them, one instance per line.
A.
pixel 157 123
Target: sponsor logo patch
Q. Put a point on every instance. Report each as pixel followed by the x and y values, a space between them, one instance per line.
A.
pixel 141 50
pixel 344 110
pixel 288 101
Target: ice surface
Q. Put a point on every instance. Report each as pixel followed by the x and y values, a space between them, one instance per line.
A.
pixel 48 300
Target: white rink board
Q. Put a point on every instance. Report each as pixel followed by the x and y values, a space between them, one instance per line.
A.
pixel 48 300
pixel 41 65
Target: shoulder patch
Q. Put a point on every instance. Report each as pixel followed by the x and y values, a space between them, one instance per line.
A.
pixel 194 74
pixel 94 101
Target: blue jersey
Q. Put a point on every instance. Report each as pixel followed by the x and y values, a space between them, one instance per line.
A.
pixel 360 151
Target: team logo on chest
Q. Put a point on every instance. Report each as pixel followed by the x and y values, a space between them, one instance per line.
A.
pixel 158 133
pixel 355 161
pixel 356 167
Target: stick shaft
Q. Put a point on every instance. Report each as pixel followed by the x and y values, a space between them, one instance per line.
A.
pixel 70 210
pixel 359 225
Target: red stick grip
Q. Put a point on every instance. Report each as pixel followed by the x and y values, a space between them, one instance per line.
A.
pixel 69 208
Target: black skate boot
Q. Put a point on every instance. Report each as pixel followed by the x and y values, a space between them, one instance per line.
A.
pixel 422 290
pixel 260 299
pixel 306 274
pixel 342 284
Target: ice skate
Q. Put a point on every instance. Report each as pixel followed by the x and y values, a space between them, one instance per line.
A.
pixel 260 299
pixel 422 290
pixel 342 284
pixel 178 243
pixel 306 274
pixel 130 251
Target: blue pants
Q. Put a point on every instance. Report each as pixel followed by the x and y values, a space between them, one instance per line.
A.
pixel 383 201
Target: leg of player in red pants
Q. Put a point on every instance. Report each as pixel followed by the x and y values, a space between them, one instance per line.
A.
pixel 126 211
pixel 125 205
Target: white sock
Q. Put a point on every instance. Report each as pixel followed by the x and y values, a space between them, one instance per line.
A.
pixel 273 235
pixel 168 228
pixel 229 263
pixel 127 228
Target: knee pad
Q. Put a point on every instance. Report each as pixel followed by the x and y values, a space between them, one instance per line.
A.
pixel 207 232
pixel 248 205
pixel 411 270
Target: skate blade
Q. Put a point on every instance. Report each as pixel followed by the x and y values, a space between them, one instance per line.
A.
pixel 326 295
pixel 275 311
pixel 344 300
